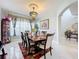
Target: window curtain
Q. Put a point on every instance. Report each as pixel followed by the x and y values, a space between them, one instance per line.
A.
pixel 22 25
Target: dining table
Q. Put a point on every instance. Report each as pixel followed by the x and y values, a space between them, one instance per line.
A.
pixel 38 39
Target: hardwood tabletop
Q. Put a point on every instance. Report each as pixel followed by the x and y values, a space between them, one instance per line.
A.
pixel 37 38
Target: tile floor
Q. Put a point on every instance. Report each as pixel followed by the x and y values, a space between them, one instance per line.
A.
pixel 66 50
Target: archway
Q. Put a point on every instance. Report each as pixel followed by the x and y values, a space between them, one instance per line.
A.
pixel 59 20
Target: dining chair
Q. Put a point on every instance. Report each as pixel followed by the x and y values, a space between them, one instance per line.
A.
pixel 29 36
pixel 37 33
pixel 43 32
pixel 47 44
pixel 30 43
pixel 24 42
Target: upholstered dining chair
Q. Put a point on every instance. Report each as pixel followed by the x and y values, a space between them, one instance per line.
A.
pixel 47 44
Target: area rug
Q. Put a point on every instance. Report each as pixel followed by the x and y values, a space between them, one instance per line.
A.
pixel 32 56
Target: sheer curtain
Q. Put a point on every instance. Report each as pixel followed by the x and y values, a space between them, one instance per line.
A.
pixel 22 25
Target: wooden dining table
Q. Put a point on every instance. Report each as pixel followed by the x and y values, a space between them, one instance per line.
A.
pixel 36 38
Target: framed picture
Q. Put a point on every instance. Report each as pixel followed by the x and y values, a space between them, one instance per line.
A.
pixel 44 24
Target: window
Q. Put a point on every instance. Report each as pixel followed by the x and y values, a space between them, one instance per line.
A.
pixel 22 25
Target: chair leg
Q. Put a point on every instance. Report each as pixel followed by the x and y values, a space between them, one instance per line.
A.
pixel 29 49
pixel 23 44
pixel 44 54
pixel 50 51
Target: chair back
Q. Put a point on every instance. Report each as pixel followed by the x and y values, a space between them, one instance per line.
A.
pixel 22 36
pixel 43 33
pixel 49 40
pixel 26 34
pixel 28 39
pixel 38 33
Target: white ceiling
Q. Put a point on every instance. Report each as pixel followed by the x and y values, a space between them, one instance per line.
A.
pixel 22 6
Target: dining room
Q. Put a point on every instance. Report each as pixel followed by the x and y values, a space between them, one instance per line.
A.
pixel 34 29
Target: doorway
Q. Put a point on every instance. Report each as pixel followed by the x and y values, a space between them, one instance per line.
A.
pixel 68 20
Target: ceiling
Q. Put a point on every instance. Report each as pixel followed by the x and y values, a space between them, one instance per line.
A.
pixel 22 6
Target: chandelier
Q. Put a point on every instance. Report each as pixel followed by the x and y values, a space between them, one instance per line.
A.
pixel 33 13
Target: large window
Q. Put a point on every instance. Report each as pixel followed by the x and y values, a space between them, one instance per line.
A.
pixel 22 25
